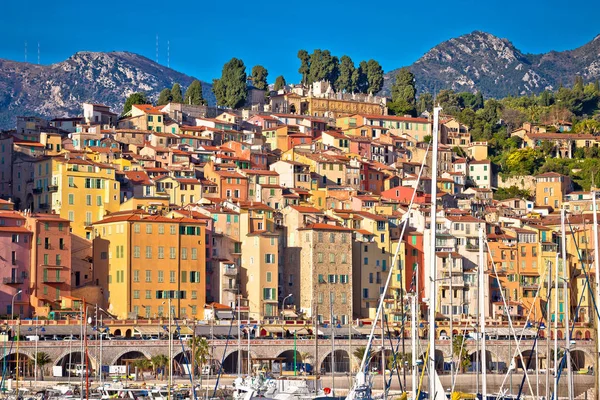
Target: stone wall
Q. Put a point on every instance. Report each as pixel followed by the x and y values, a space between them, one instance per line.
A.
pixel 526 182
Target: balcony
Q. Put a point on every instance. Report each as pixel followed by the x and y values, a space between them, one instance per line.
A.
pixel 530 286
pixel 38 190
pixel 472 247
pixel 52 188
pixel 88 224
pixel 13 280
pixel 455 280
pixel 230 271
pixel 54 280
pixel 234 288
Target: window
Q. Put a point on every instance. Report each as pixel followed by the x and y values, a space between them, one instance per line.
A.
pixel 71 199
pixel 173 229
pixel 320 298
pixel 136 275
pixel 194 277
pixel 344 298
pixel 194 294
pixel 148 276
pixel 148 251
pixel 319 257
pixel 331 237
pixel 148 228
pixel 343 278
pixel 320 237
pixel 344 258
pixel 184 253
pixel 161 276
pixel 269 276
pixel 136 251
pixel 88 199
pixel 98 200
pixel 161 252
pixel 194 253
pixel 136 294
pixel 172 276
pixel 136 228
pixel 270 258
pixel 148 294
pixel 365 293
pixel 172 253
pixel 332 278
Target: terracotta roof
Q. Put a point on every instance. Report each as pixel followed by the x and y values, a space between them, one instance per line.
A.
pixel 140 217
pixel 394 118
pixel 465 218
pixel 260 172
pixel 306 209
pixel 149 109
pixel 326 227
pixel 14 229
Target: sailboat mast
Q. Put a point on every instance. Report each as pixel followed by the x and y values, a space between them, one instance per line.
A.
pixel 555 392
pixel 597 268
pixel 432 266
pixel 413 343
pixel 566 303
pixel 483 363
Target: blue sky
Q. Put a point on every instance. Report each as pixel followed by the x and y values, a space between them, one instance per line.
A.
pixel 203 35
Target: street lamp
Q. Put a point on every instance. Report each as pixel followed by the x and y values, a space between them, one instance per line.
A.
pixel 283 305
pixel 12 305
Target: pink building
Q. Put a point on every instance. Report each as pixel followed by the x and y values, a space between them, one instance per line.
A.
pixel 15 249
pixel 50 262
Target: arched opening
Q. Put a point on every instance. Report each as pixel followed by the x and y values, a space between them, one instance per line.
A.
pixel 528 358
pixel 128 333
pixel 26 365
pixel 288 363
pixel 230 364
pixel 293 109
pixel 559 334
pixel 577 360
pixel 490 362
pixel 71 364
pixel 182 363
pixel 375 361
pixel 443 333
pixel 130 357
pixel 578 335
pixel 339 362
pixel 588 335
pixel 438 359
pixel 117 332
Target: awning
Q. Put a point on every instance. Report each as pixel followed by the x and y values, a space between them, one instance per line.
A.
pixel 341 331
pixel 298 330
pixel 364 330
pixel 58 330
pixel 228 314
pixel 159 330
pixel 217 331
pixel 273 329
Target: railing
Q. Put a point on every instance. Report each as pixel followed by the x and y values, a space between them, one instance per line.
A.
pixel 228 271
pixel 12 280
pixel 54 279
pixel 38 190
pixel 231 288
pixel 52 188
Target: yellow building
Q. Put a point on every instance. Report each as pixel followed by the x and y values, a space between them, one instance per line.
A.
pixel 79 190
pixel 152 259
pixel 144 117
pixel 551 188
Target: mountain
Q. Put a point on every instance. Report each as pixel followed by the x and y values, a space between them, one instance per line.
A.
pixel 59 89
pixel 483 62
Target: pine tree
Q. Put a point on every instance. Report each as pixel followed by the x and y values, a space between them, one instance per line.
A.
pixel 193 94
pixel 344 81
pixel 360 82
pixel 279 83
pixel 176 95
pixel 259 77
pixel 230 90
pixel 164 97
pixel 404 93
pixel 304 65
pixel 374 77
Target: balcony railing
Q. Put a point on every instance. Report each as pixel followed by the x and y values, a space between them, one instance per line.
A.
pixel 231 288
pixel 230 271
pixel 38 190
pixel 13 280
pixel 52 188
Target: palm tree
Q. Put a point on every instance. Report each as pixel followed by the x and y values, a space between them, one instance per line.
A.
pixel 201 352
pixel 160 361
pixel 142 365
pixel 43 359
pixel 359 353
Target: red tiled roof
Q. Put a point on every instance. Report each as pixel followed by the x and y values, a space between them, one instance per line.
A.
pixel 326 227
pixel 138 177
pixel 306 209
pixel 149 109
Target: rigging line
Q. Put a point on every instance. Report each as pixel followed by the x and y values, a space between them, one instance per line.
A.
pixel 185 357
pixel 394 261
pixel 394 355
pixel 462 344
pixel 510 323
pixel 224 353
pixel 533 348
pixel 585 271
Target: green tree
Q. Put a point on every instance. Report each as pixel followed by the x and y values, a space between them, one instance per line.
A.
pixel 404 94
pixel 460 350
pixel 478 101
pixel 323 67
pixel 279 83
pixel 161 362
pixel 259 77
pixel 374 76
pixel 142 365
pixel 509 193
pixel 230 90
pixel 134 98
pixel 359 353
pixel 43 359
pixel 448 100
pixel 360 82
pixel 344 81
pixel 424 103
pixel 201 352
pixel 193 94
pixel 164 97
pixel 176 93
pixel 304 69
